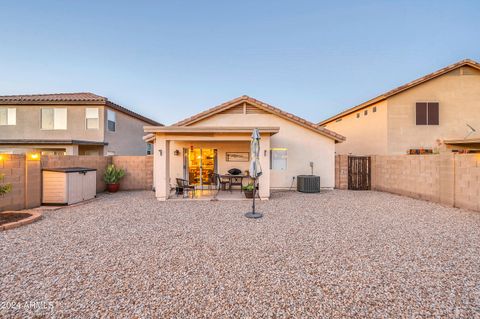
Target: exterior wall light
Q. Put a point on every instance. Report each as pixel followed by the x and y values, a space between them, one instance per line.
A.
pixel 160 152
pixel 176 153
pixel 33 156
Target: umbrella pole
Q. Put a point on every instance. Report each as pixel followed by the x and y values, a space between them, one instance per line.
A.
pixel 254 194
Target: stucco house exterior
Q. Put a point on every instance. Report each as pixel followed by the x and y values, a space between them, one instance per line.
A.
pixel 439 112
pixel 218 139
pixel 70 124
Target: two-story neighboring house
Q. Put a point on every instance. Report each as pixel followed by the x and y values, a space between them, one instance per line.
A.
pixel 438 112
pixel 70 124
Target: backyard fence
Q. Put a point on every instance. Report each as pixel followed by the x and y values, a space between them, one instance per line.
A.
pixel 450 179
pixel 24 174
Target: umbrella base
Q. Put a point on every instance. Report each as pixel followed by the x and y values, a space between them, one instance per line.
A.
pixel 254 215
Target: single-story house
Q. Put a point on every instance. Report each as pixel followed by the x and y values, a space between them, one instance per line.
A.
pixel 218 139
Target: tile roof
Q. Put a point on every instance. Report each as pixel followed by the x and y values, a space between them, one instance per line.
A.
pixel 74 98
pixel 381 97
pixel 61 97
pixel 267 107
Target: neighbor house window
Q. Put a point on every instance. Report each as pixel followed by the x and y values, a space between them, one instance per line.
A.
pixel 374 109
pixel 278 158
pixel 91 118
pixel 149 148
pixel 8 116
pixel 54 119
pixel 365 112
pixel 358 115
pixel 111 121
pixel 427 113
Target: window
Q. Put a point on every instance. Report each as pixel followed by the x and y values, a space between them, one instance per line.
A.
pixel 365 112
pixel 8 116
pixel 278 159
pixel 149 148
pixel 91 118
pixel 54 119
pixel 358 115
pixel 111 122
pixel 427 113
pixel 374 109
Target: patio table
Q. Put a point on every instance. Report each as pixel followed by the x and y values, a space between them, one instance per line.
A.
pixel 238 180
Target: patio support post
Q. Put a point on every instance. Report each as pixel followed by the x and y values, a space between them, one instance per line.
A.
pixel 264 180
pixel 162 168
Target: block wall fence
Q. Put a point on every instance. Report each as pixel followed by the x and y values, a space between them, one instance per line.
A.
pixel 450 179
pixel 26 179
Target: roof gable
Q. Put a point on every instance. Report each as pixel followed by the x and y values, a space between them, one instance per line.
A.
pixel 467 62
pixel 248 105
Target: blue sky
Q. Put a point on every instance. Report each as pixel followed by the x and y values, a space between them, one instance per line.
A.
pixel 169 60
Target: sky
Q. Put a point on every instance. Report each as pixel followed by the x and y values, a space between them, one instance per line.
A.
pixel 168 60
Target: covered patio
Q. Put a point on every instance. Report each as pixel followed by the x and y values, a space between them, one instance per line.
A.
pixel 194 153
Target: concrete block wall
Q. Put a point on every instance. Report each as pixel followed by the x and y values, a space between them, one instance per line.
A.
pixel 450 179
pixel 138 172
pixel 467 181
pixel 24 176
pixel 414 176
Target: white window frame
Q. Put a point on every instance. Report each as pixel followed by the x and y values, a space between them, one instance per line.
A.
pixel 273 164
pixel 11 116
pixel 56 114
pixel 92 118
pixel 111 114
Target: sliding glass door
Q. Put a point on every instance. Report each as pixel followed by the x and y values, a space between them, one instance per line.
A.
pixel 200 164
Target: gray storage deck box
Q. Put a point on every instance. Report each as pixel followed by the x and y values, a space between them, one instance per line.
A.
pixel 66 186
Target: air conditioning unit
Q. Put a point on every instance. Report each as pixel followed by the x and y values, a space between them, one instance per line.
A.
pixel 308 183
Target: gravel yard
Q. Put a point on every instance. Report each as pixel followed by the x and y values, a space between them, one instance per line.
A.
pixel 335 254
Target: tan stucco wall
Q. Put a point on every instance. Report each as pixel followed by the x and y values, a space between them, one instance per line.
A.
pixel 393 130
pixel 128 136
pixel 365 135
pixel 29 124
pixel 304 146
pixel 459 98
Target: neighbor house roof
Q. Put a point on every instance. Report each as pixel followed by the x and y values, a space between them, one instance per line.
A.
pixel 49 142
pixel 384 96
pixel 71 98
pixel 266 107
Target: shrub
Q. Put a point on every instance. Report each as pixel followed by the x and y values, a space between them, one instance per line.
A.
pixel 113 175
pixel 5 188
pixel 248 188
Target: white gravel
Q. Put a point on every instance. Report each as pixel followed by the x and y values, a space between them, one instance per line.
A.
pixel 335 254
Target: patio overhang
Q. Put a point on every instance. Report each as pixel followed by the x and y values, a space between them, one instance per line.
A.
pixel 466 142
pixel 221 136
pixel 209 133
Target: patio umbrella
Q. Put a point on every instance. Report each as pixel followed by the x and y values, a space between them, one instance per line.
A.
pixel 255 169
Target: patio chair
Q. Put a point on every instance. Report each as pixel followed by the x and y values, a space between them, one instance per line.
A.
pixel 221 183
pixel 183 187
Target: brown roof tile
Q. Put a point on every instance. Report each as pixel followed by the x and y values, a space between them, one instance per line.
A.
pixel 76 98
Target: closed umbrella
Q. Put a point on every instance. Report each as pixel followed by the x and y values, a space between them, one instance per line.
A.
pixel 255 169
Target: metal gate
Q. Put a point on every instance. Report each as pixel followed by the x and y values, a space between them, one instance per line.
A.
pixel 359 172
